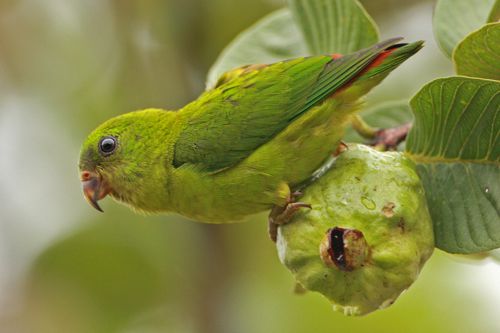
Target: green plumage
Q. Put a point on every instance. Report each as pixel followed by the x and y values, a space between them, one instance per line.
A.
pixel 240 147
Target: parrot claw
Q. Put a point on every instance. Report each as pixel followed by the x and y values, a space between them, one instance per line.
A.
pixel 282 214
pixel 342 147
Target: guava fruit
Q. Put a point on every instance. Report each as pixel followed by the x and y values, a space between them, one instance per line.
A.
pixel 367 235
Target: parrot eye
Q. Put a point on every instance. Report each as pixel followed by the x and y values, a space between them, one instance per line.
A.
pixel 107 145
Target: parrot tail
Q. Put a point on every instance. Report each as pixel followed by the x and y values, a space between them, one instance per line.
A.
pixel 387 60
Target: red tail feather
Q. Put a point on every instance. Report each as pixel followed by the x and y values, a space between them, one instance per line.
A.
pixel 336 56
pixel 380 58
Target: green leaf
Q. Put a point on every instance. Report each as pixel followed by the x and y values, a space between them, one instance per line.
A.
pixel 338 26
pixel 455 19
pixel 384 115
pixel 275 37
pixel 455 143
pixel 330 26
pixel 495 12
pixel 478 55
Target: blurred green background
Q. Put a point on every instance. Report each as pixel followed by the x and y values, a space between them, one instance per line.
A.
pixel 67 65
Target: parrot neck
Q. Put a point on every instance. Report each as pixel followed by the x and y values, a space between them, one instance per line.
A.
pixel 145 186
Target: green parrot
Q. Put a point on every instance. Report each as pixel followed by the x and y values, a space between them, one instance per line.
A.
pixel 242 146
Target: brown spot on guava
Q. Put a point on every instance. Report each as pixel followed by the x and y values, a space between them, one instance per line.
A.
pixel 388 209
pixel 401 224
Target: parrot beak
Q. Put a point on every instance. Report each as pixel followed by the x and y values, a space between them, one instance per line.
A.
pixel 94 188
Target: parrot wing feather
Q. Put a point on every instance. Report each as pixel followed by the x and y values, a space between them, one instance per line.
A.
pixel 237 72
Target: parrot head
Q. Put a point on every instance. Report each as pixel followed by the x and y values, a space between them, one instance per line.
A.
pixel 120 157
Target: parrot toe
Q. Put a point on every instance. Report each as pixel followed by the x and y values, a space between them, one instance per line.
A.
pixel 283 214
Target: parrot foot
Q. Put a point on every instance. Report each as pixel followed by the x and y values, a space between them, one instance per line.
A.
pixel 282 214
pixel 390 138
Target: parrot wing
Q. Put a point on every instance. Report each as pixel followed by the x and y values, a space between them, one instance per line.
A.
pixel 226 124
